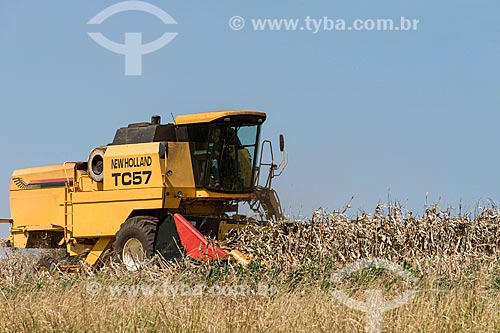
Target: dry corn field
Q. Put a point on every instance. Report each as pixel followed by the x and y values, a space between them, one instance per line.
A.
pixel 288 287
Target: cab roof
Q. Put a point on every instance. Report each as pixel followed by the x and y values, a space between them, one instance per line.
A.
pixel 206 117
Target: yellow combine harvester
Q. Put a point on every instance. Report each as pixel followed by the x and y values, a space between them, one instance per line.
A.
pixel 142 193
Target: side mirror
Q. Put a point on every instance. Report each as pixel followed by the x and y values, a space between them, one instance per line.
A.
pixel 282 143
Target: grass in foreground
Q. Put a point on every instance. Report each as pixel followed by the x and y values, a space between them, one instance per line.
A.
pixel 288 287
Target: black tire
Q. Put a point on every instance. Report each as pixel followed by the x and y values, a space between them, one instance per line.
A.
pixel 142 228
pixel 95 163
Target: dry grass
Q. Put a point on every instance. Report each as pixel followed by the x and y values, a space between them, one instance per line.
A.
pixel 454 258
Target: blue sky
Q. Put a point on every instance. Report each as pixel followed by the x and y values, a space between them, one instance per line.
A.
pixel 363 112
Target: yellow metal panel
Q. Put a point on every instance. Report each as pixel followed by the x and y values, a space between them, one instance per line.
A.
pixel 207 117
pixel 101 213
pixel 117 195
pixel 37 227
pixel 37 207
pixel 132 166
pixel 202 193
pixel 42 177
pixel 19 239
pixel 78 249
pixel 102 245
pixel 37 196
pixel 83 182
pixel 104 219
pixel 179 170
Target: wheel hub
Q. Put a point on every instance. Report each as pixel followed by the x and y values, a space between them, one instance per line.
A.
pixel 133 254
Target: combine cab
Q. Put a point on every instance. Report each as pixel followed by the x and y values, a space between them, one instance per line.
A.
pixel 155 188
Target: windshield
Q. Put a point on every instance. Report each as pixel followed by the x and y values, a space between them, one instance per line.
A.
pixel 223 155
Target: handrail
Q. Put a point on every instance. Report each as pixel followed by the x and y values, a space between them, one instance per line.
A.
pixel 257 178
pixel 274 170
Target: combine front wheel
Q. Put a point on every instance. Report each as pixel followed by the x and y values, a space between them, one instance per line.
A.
pixel 134 242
